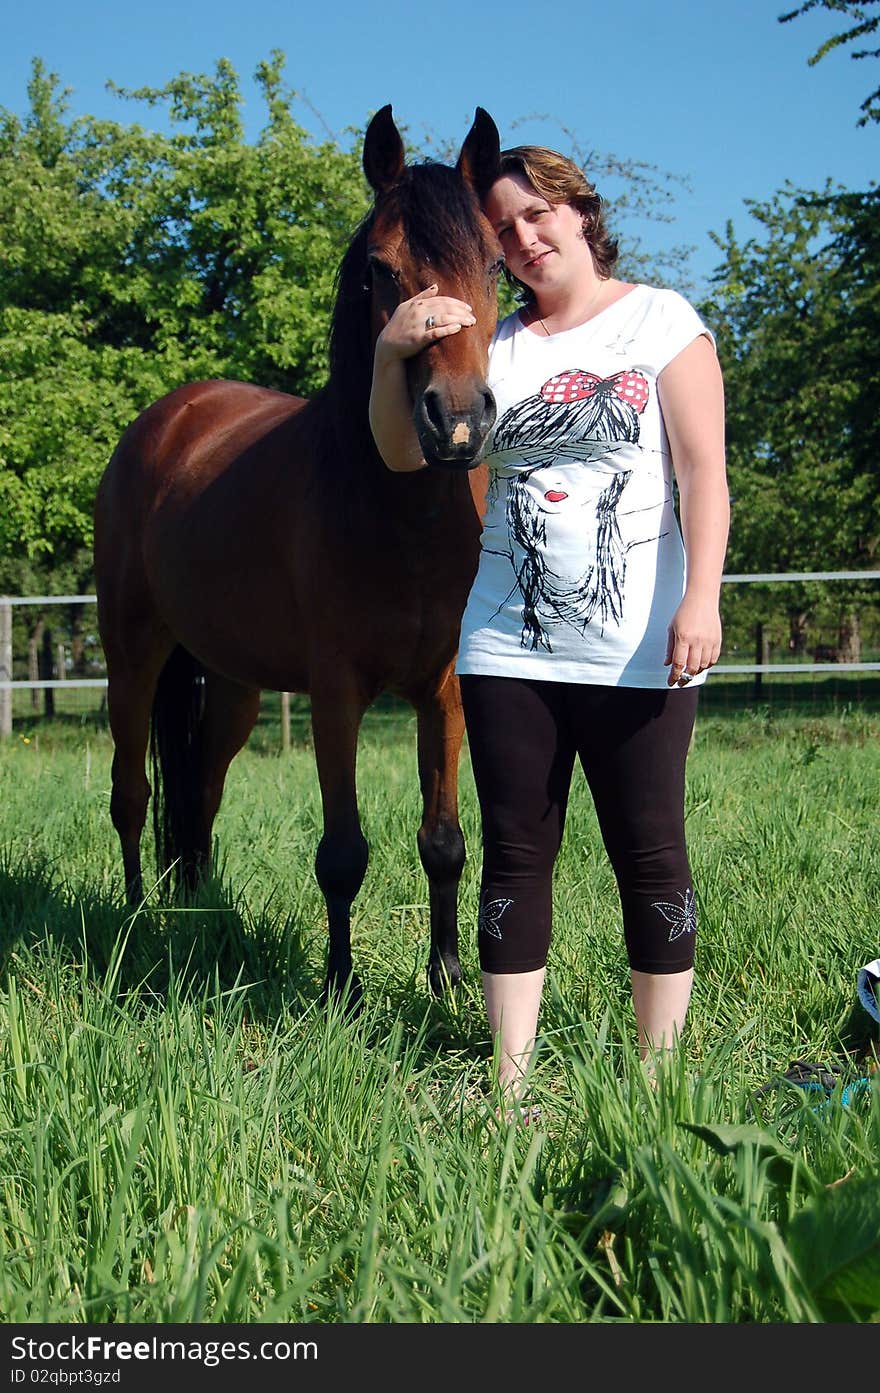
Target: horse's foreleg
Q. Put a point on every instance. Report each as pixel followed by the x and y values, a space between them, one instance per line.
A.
pixel 441 844
pixel 341 860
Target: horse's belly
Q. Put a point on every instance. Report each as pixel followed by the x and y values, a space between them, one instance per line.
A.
pixel 244 630
pixel 282 601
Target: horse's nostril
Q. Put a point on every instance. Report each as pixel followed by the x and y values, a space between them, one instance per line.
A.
pixel 433 411
pixel 457 427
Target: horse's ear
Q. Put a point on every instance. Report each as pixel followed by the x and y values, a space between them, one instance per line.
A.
pixel 479 162
pixel 384 155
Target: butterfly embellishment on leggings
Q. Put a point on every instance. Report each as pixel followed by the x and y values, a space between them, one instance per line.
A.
pixel 490 913
pixel 682 917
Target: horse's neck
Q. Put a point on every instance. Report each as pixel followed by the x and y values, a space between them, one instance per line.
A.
pixel 344 440
pixel 346 450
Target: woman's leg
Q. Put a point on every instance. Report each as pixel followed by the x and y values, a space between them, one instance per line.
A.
pixel 634 755
pixel 522 758
pixel 513 1000
pixel 660 1001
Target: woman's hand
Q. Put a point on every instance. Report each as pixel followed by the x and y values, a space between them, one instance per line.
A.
pixel 421 321
pixel 414 325
pixel 694 642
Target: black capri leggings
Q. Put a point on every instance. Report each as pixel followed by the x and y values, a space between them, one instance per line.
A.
pixel 632 743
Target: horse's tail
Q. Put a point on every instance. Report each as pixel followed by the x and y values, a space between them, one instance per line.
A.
pixel 176 760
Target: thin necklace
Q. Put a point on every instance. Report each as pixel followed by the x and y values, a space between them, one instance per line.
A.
pixel 586 315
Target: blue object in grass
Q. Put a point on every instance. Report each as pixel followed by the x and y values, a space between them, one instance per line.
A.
pixel 817 1078
pixel 854 1090
pixel 866 986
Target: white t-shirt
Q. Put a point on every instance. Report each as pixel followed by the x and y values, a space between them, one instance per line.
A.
pixel 582 564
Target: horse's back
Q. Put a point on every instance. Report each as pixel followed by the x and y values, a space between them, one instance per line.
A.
pixel 180 447
pixel 198 419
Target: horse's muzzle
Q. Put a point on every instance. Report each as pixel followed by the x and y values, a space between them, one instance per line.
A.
pixel 453 438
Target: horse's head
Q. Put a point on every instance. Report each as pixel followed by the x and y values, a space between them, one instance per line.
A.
pixel 427 226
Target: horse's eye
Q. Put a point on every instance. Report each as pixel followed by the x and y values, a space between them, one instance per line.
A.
pixel 497 267
pixel 380 271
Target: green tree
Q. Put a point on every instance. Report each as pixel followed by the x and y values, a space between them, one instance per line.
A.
pixel 131 261
pixel 797 309
pixel 864 24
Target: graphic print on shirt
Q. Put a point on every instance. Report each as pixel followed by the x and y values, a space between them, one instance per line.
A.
pixel 576 418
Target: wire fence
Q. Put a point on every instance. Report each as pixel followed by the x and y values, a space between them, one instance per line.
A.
pixel 53 666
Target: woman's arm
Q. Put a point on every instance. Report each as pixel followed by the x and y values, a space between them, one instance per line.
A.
pixel 691 395
pixel 405 335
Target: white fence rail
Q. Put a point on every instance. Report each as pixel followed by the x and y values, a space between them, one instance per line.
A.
pixel 7 684
pixel 778 577
pixel 48 599
pixel 802 575
pixel 8 602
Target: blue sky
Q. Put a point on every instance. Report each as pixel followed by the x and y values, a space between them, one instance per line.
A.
pixel 714 90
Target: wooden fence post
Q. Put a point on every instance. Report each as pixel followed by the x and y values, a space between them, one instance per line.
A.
pixel 762 655
pixel 5 667
pixel 47 666
pixel 285 720
pixel 34 664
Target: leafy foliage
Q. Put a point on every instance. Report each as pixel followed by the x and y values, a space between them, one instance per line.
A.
pixel 836 1242
pixel 131 261
pixel 796 308
pixel 797 311
pixel 864 25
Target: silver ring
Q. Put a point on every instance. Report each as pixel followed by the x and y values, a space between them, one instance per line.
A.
pixel 430 322
pixel 685 678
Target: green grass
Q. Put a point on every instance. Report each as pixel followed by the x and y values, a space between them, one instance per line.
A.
pixel 186 1136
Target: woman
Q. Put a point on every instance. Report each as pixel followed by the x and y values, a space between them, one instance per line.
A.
pixel 593 618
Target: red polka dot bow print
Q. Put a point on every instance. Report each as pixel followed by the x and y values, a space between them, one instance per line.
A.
pixel 575 385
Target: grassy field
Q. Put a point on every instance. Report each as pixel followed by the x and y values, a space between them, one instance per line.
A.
pixel 185 1136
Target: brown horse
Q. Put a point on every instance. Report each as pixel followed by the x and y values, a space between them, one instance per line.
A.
pixel 246 539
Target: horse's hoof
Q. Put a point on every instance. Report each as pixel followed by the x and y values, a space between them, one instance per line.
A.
pixel 444 975
pixel 347 994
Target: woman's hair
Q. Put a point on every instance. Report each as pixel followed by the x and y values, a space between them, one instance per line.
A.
pixel 560 180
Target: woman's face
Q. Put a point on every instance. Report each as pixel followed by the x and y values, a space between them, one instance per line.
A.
pixel 543 243
pixel 561 490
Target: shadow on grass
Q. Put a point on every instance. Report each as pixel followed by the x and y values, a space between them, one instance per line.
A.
pixel 201 945
pixel 209 944
pixel 452 1023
